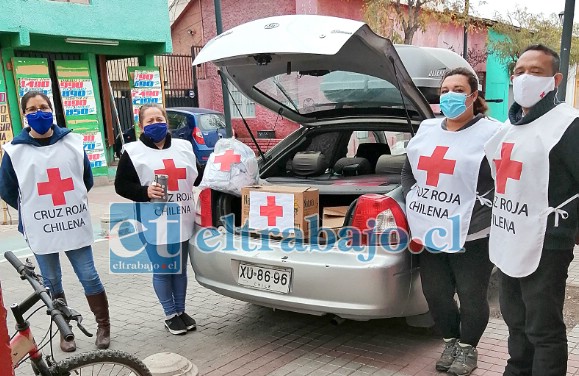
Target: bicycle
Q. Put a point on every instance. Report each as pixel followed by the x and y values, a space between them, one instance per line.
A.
pixel 24 347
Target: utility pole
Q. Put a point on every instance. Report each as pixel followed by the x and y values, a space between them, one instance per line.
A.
pixel 566 46
pixel 465 35
pixel 226 107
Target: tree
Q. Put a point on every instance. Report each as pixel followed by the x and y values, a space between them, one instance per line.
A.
pixel 474 56
pixel 387 17
pixel 520 29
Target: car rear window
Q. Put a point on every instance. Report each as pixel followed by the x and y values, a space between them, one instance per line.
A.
pixel 211 122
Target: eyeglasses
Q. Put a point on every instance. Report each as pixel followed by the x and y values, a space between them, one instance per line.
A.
pixel 43 108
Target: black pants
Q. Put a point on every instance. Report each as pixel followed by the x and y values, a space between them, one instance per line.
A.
pixel 532 307
pixel 468 275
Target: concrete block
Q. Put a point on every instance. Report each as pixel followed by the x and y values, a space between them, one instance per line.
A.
pixel 170 364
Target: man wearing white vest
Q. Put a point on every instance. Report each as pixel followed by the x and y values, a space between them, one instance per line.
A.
pixel 534 159
pixel 46 175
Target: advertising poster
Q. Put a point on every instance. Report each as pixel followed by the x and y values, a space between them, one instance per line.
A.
pixel 6 134
pixel 146 88
pixel 31 74
pixel 80 109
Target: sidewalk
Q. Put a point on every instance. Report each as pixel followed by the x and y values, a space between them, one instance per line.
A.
pixel 237 338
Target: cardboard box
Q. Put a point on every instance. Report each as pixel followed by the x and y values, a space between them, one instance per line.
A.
pixel 278 207
pixel 333 217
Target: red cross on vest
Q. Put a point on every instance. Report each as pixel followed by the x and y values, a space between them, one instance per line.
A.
pixel 436 165
pixel 506 167
pixel 271 211
pixel 55 186
pixel 227 159
pixel 174 174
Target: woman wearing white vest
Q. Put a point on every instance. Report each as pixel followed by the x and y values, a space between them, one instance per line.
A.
pixel 46 175
pixel 535 161
pixel 448 188
pixel 156 152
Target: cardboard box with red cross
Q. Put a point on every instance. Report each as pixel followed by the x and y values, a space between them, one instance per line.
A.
pixel 281 208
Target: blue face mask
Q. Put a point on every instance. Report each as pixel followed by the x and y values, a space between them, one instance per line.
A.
pixel 40 121
pixel 156 132
pixel 453 104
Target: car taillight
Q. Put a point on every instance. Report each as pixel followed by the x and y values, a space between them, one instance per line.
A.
pixel 384 213
pixel 198 136
pixel 204 213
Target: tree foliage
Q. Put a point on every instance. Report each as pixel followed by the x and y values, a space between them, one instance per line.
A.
pixel 400 20
pixel 521 28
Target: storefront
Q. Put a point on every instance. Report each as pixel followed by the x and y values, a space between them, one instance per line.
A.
pixel 61 47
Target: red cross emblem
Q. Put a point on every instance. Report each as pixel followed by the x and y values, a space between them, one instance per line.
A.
pixel 227 159
pixel 175 174
pixel 55 186
pixel 506 167
pixel 271 211
pixel 436 165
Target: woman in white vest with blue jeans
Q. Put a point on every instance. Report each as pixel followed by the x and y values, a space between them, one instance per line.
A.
pixel 448 188
pixel 156 152
pixel 46 175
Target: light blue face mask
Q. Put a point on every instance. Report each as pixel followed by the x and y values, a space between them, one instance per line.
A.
pixel 453 104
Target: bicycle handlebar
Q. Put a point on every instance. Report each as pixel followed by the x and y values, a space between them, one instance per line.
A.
pixel 40 290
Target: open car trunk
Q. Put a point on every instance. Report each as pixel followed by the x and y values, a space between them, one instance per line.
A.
pixel 334 191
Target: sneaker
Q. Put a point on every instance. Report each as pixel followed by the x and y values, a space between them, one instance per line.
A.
pixel 189 322
pixel 448 355
pixel 175 325
pixel 465 362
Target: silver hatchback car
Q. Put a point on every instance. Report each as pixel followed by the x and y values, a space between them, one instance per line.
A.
pixel 356 96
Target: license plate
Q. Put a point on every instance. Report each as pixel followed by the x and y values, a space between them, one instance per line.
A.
pixel 268 278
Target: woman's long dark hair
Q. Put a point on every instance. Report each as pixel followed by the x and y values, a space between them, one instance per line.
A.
pixel 480 105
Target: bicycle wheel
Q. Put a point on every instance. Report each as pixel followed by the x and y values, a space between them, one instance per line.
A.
pixel 102 363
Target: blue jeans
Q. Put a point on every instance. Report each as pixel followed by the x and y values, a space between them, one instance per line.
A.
pixel 83 265
pixel 171 289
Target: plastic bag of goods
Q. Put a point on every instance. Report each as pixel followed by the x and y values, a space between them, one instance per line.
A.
pixel 230 167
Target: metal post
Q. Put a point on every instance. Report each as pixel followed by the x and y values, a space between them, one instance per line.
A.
pixel 465 31
pixel 566 46
pixel 195 86
pixel 226 108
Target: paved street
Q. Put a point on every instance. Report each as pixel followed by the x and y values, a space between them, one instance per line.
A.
pixel 236 338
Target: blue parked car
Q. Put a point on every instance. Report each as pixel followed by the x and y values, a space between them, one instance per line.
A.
pixel 201 126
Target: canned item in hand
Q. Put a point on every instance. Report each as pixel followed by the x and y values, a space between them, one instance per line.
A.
pixel 161 180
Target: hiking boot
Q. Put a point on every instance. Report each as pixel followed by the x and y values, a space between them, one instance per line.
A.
pixel 448 355
pixel 189 322
pixel 175 325
pixel 465 361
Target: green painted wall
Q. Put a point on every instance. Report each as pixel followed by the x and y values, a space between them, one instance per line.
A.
pixel 498 81
pixel 141 27
pixel 140 21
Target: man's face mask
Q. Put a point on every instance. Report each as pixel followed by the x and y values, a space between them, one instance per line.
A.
pixel 529 89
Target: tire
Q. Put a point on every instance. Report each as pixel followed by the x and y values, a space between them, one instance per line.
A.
pixel 101 360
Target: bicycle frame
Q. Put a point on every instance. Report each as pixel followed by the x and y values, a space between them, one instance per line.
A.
pixel 23 343
pixel 5 348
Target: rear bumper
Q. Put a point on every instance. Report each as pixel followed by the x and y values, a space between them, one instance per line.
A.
pixel 330 282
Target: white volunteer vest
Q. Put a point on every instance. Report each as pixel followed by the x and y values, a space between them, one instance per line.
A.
pixel 178 162
pixel 446 168
pixel 53 197
pixel 519 158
